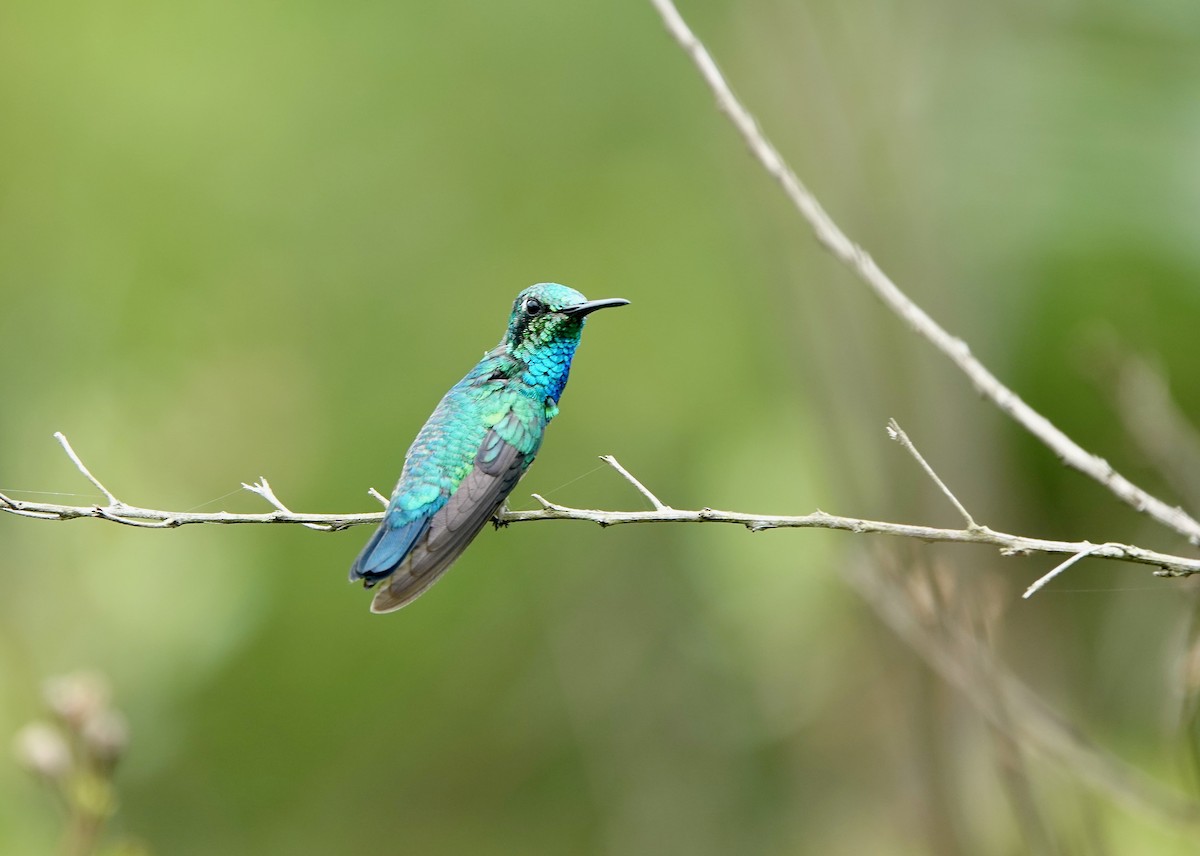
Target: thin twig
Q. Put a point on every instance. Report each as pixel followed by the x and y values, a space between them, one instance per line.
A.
pixel 642 489
pixel 108 494
pixel 833 239
pixel 897 433
pixel 37 515
pixel 107 514
pixel 1090 551
pixel 263 488
pixel 383 500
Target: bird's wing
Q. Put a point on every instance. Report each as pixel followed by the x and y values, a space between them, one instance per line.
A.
pixel 498 467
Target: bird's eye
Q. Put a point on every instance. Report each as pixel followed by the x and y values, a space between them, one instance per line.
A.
pixel 533 306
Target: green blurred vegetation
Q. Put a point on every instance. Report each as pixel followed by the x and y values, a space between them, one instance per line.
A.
pixel 260 238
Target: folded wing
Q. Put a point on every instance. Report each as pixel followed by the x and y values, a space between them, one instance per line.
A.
pixel 497 468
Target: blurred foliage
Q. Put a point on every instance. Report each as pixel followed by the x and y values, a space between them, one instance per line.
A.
pixel 260 238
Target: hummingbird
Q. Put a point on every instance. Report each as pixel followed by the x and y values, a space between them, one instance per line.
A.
pixel 474 448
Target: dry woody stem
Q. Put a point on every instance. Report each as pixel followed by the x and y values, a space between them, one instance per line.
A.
pixel 118 511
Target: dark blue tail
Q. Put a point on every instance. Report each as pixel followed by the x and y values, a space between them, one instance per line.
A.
pixel 388 547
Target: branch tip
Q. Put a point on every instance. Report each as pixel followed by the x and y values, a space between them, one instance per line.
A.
pixel 897 433
pixel 641 488
pixel 1033 589
pixel 263 488
pixel 113 502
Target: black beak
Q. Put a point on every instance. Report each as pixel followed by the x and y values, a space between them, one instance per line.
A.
pixel 581 309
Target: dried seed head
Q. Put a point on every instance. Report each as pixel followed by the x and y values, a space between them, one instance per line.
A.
pixel 41 749
pixel 106 734
pixel 76 697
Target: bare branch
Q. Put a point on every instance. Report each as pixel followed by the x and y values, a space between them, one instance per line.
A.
pixel 383 500
pixel 1008 544
pixel 833 239
pixel 897 433
pixel 133 515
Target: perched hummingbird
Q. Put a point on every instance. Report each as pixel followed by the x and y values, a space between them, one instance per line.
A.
pixel 480 440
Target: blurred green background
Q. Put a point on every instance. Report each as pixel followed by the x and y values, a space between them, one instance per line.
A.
pixel 253 238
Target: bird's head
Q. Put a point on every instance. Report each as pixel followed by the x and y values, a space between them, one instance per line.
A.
pixel 547 313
